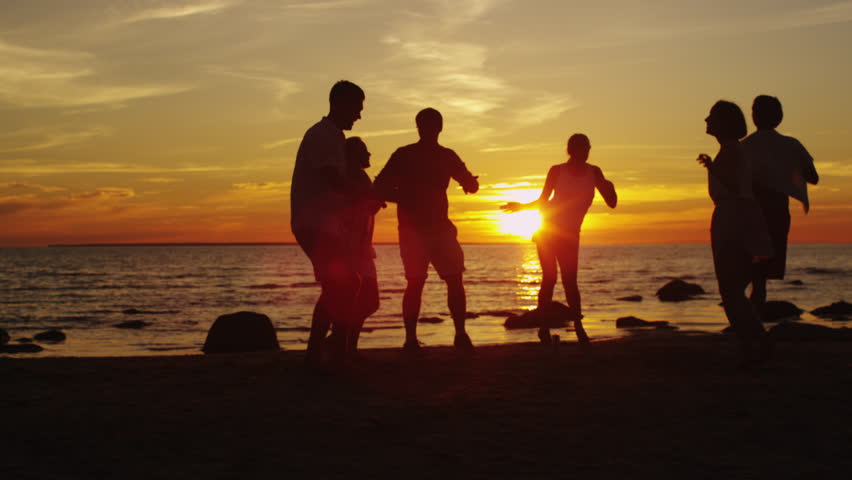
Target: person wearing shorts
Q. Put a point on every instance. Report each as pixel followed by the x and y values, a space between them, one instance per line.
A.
pixel 416 178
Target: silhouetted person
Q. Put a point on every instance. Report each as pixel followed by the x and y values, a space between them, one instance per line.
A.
pixel 317 203
pixel 359 222
pixel 737 229
pixel 416 177
pixel 781 167
pixel 566 197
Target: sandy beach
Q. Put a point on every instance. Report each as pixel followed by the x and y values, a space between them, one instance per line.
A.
pixel 663 403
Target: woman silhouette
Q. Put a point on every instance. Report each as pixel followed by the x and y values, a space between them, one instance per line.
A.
pixel 572 187
pixel 737 229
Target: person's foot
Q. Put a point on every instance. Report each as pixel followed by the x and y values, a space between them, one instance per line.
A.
pixel 544 335
pixel 582 337
pixel 462 343
pixel 411 346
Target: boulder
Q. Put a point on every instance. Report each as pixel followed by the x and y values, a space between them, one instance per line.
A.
pixel 836 311
pixel 777 310
pixel 808 332
pixel 796 282
pixel 50 336
pixel 632 322
pixel 24 340
pixel 677 291
pixel 20 348
pixel 430 320
pixel 4 337
pixel 553 316
pixel 132 324
pixel 241 332
pixel 630 298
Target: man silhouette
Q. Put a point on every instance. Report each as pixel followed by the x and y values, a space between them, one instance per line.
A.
pixel 781 168
pixel 416 177
pixel 317 203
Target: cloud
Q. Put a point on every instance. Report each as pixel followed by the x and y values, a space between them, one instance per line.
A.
pixel 44 138
pixel 162 180
pixel 282 87
pixel 263 186
pixel 43 78
pixel 174 12
pixel 31 167
pixel 33 186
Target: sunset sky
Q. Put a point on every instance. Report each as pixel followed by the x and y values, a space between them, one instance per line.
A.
pixel 178 121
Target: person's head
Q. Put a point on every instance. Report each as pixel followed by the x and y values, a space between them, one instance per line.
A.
pixel 726 121
pixel 579 147
pixel 429 123
pixel 766 112
pixel 346 100
pixel 357 155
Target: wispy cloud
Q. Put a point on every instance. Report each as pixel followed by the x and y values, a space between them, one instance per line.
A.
pixel 172 11
pixel 38 78
pixel 46 138
pixel 282 87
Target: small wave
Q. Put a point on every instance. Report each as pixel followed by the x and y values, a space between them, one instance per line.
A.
pixel 293 329
pixel 393 290
pixel 675 277
pixel 266 286
pixel 304 284
pixel 75 318
pixel 169 349
pixel 133 311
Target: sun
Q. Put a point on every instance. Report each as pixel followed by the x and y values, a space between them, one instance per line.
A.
pixel 521 224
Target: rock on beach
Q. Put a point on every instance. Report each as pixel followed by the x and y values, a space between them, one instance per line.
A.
pixel 837 310
pixel 4 337
pixel 132 324
pixel 241 332
pixel 777 310
pixel 632 322
pixel 553 316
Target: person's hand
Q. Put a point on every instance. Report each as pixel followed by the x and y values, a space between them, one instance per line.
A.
pixel 473 187
pixel 372 206
pixel 511 207
pixel 704 160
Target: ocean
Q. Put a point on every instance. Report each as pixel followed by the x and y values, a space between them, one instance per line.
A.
pixel 180 290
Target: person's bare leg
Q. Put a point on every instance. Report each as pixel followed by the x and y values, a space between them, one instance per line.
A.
pixel 547 260
pixel 568 264
pixel 411 309
pixel 366 304
pixel 457 303
pixel 758 290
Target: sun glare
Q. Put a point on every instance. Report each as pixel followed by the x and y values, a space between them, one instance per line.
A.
pixel 521 224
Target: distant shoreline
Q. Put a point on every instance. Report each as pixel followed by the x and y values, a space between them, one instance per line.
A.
pixel 262 244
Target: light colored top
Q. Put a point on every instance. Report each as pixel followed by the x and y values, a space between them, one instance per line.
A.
pixel 573 194
pixel 315 204
pixel 778 163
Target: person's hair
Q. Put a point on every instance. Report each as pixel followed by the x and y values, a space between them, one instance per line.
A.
pixel 732 123
pixel 354 145
pixel 345 91
pixel 766 111
pixel 429 117
pixel 578 140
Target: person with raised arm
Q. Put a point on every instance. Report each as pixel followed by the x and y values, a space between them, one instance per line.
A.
pixel 569 189
pixel 416 178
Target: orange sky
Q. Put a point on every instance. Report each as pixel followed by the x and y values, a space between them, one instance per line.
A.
pixel 159 121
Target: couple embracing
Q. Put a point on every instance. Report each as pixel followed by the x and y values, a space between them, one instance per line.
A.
pixel 333 203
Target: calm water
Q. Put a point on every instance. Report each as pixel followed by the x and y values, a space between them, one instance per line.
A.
pixel 180 290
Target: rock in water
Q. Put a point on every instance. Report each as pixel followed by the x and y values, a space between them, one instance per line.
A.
pixel 777 310
pixel 20 348
pixel 430 320
pixel 241 332
pixel 837 310
pixel 50 336
pixel 132 324
pixel 553 316
pixel 630 298
pixel 808 332
pixel 4 337
pixel 631 322
pixel 677 291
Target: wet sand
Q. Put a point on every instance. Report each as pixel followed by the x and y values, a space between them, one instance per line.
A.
pixel 665 403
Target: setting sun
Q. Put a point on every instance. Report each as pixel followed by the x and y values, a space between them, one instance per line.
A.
pixel 521 224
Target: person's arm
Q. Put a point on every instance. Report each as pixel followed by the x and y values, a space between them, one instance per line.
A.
pixel 809 172
pixel 386 184
pixel 722 168
pixel 606 188
pixel 460 173
pixel 546 192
